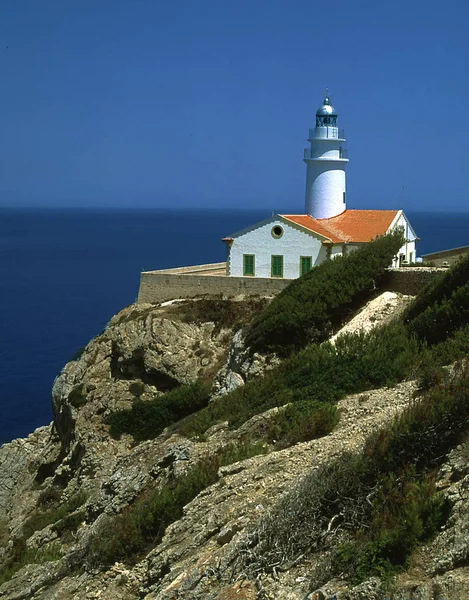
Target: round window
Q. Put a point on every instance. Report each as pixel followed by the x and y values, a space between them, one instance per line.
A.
pixel 277 231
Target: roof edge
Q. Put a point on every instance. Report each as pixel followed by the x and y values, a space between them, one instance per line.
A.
pixel 303 228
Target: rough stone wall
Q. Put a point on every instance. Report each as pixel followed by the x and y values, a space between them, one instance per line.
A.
pixel 446 256
pixel 160 286
pixel 409 280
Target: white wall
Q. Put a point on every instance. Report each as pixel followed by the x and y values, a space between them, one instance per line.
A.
pixel 349 248
pixel 336 250
pixel 409 246
pixel 325 187
pixel 258 240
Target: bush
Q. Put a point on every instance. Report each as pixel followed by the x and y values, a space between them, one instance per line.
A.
pixel 225 313
pixel 442 318
pixel 49 512
pixel 236 452
pixel 301 422
pixel 426 431
pixel 406 512
pixel 451 349
pixel 318 374
pixel 311 307
pixel 145 522
pixel 439 289
pixel 20 556
pixel 442 307
pixel 147 419
pixel 384 497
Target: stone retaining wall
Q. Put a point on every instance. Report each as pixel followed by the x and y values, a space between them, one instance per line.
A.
pixel 446 257
pixel 410 280
pixel 200 280
pixel 189 282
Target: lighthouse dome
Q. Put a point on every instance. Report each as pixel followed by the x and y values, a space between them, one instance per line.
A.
pixel 326 110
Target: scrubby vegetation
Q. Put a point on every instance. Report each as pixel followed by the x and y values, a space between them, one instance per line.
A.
pixel 63 517
pixel 324 373
pixel 443 307
pixel 147 419
pixel 311 307
pixel 50 510
pixel 370 509
pixel 317 375
pixel 381 503
pixel 307 385
pixel 225 313
pixel 300 422
pixel 440 288
pixel 20 556
pixel 143 524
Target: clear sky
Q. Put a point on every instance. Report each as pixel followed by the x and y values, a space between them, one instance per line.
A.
pixel 207 103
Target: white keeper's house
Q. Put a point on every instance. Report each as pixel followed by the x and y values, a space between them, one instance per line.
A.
pixel 289 245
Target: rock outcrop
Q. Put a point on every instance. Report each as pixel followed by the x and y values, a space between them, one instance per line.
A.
pixel 74 462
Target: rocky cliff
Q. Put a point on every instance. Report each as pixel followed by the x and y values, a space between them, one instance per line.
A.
pixel 66 485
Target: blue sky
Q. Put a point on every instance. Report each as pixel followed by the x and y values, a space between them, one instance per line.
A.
pixel 207 103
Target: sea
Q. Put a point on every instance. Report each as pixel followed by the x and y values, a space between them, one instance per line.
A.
pixel 65 272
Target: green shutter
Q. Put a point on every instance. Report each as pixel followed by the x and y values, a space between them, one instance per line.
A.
pixel 277 266
pixel 248 264
pixel 305 264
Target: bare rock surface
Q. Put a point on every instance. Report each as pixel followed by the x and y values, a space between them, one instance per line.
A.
pixel 378 311
pixel 142 353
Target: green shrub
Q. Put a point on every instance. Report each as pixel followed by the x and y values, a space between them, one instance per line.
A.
pixel 406 512
pixel 49 512
pixel 225 313
pixel 439 289
pixel 147 419
pixel 302 421
pixel 442 307
pixel 317 374
pixel 69 523
pixel 451 349
pixel 49 497
pixel 144 523
pixel 235 452
pixel 430 374
pixel 439 320
pixel 425 431
pixel 385 497
pixel 20 556
pixel 311 307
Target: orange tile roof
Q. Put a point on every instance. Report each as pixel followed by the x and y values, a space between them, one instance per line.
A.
pixel 350 226
pixel 360 225
pixel 308 222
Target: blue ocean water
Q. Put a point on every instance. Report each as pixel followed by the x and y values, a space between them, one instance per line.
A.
pixel 65 273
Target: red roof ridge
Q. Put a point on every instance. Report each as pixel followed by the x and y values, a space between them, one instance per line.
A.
pixel 311 224
pixel 349 225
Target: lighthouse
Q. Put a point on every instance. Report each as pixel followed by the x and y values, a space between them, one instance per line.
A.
pixel 325 160
pixel 289 245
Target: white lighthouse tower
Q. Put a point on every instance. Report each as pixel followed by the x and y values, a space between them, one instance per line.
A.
pixel 325 165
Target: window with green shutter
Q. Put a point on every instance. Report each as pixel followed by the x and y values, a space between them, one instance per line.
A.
pixel 248 264
pixel 277 266
pixel 305 264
